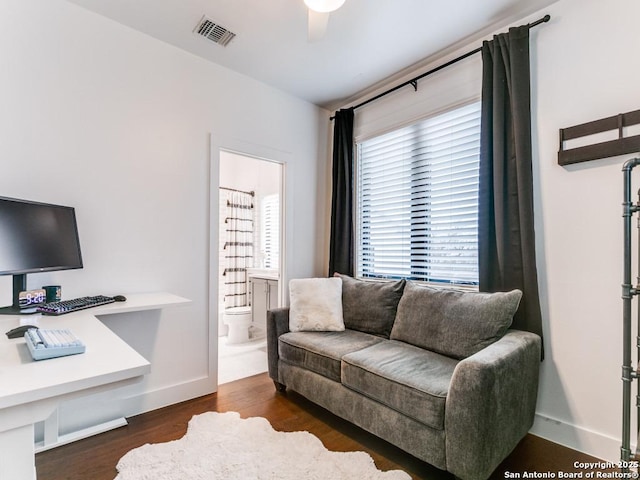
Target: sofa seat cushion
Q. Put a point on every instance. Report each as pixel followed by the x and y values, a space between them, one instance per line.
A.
pixel 321 352
pixel 408 379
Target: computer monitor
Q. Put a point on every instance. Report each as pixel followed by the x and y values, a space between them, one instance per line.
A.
pixel 35 237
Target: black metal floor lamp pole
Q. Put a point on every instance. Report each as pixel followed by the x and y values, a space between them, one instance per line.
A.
pixel 628 291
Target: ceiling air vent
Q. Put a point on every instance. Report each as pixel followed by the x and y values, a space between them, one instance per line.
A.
pixel 210 30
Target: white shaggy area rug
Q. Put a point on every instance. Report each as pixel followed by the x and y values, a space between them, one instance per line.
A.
pixel 226 447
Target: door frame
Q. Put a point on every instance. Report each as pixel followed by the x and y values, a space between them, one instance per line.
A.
pixel 218 143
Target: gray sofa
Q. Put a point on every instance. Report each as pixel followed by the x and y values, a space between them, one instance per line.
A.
pixel 437 373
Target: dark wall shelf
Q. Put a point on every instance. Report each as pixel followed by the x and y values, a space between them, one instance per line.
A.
pixel 620 146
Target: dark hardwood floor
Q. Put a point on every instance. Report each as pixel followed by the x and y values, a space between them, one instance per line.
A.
pixel 95 458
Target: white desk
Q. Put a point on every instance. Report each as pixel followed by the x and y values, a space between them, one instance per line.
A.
pixel 31 391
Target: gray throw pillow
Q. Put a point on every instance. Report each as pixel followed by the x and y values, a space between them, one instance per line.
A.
pixel 370 306
pixel 454 323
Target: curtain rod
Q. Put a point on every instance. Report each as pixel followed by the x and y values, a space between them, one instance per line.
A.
pixel 252 193
pixel 414 81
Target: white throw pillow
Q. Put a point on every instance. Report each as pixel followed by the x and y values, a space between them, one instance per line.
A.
pixel 316 305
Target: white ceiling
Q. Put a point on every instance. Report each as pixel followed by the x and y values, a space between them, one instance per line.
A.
pixel 366 41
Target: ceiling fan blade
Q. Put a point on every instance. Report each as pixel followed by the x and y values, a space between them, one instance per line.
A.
pixel 317 25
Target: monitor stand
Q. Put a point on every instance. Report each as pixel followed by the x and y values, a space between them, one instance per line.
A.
pixel 19 285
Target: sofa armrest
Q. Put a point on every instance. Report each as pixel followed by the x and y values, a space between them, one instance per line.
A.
pixel 491 404
pixel 277 324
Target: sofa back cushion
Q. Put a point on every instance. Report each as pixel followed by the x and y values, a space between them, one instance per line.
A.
pixel 370 306
pixel 453 323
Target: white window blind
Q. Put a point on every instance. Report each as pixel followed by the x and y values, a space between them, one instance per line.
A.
pixel 417 200
pixel 271 231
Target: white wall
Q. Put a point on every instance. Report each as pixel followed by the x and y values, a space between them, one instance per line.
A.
pixel 453 86
pixel 262 176
pixel 126 120
pixel 119 125
pixel 585 66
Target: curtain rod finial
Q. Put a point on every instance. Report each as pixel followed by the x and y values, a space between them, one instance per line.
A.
pixel 544 19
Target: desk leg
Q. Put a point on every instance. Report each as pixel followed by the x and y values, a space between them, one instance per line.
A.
pixel 51 429
pixel 17 454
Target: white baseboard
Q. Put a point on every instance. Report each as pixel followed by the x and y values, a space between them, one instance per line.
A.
pixel 597 444
pixel 587 441
pixel 593 443
pixel 80 434
pixel 169 395
pixel 127 406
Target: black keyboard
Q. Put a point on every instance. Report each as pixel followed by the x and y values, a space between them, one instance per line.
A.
pixel 68 306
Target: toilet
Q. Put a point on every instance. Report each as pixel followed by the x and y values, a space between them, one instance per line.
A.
pixel 238 319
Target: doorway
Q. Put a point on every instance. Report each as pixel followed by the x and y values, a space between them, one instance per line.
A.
pixel 249 261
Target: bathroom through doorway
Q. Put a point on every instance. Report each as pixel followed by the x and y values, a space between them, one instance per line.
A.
pixel 250 230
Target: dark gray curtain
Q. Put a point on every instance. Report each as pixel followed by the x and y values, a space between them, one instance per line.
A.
pixel 341 241
pixel 507 257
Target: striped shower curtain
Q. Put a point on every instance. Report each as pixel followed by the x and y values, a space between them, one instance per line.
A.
pixel 238 247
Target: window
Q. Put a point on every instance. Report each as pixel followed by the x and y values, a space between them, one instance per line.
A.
pixel 417 200
pixel 270 231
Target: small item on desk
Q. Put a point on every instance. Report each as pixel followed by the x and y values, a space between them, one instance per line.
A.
pixel 120 298
pixel 73 305
pixel 54 293
pixel 44 344
pixel 28 299
pixel 19 332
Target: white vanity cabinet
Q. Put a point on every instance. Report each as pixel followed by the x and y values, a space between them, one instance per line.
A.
pixel 264 294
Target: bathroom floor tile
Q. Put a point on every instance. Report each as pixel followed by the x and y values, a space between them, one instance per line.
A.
pixel 240 361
